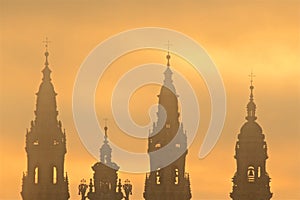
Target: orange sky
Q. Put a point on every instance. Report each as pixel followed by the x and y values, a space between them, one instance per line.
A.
pixel 259 35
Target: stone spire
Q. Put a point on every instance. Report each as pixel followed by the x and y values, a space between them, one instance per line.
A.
pixel 46 108
pixel 167 135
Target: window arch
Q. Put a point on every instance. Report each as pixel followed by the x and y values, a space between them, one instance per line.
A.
pixel 36 142
pixel 36 175
pixel 54 181
pixel 251 174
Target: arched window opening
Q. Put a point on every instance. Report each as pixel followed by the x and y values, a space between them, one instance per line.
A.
pixel 54 175
pixel 106 186
pixel 36 175
pixel 36 142
pixel 105 159
pixel 251 174
pixel 158 145
pixel 258 172
pixel 177 145
pixel 176 176
pixel 168 126
pixel 158 176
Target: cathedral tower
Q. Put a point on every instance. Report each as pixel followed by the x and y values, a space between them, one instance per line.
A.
pixel 106 185
pixel 251 180
pixel 45 148
pixel 169 182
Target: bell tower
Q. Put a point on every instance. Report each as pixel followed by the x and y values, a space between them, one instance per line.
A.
pixel 169 182
pixel 45 147
pixel 105 184
pixel 251 180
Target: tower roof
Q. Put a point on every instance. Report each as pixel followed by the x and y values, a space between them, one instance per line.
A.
pixel 106 151
pixel 251 127
pixel 46 109
pixel 45 146
pixel 251 106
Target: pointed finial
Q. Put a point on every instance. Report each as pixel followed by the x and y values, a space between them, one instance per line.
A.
pixel 251 77
pixel 46 42
pixel 251 107
pixel 251 85
pixel 168 56
pixel 105 127
pixel 46 71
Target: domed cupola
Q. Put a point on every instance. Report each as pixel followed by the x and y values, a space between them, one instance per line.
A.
pixel 251 128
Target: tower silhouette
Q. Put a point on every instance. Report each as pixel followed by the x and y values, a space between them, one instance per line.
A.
pixel 251 180
pixel 45 148
pixel 169 182
pixel 106 185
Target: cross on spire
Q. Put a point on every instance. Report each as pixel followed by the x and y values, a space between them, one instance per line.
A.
pixel 46 70
pixel 251 77
pixel 46 42
pixel 105 121
pixel 168 45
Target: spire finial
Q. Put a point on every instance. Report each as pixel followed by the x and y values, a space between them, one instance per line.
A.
pixel 168 56
pixel 46 42
pixel 251 107
pixel 46 70
pixel 251 85
pixel 105 127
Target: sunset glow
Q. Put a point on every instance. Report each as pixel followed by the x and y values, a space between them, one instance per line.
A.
pixel 263 36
